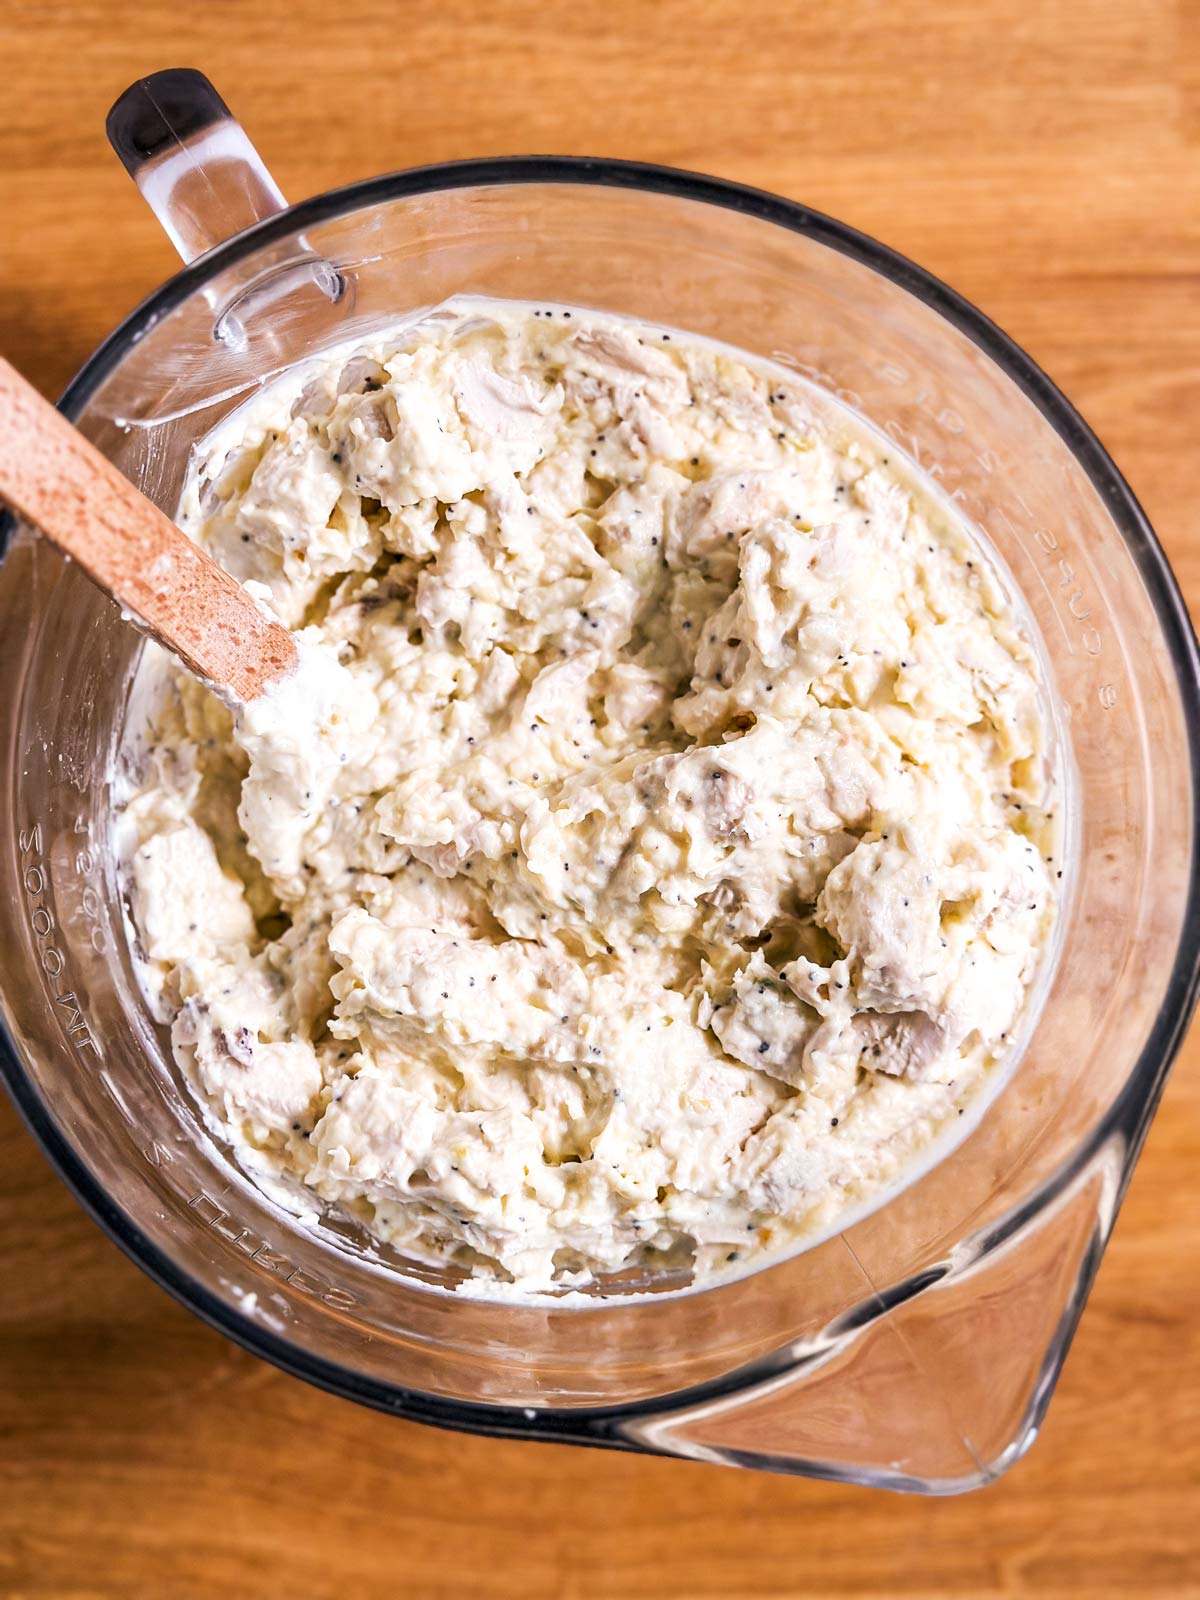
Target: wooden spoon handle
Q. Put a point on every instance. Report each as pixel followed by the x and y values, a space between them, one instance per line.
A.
pixel 61 484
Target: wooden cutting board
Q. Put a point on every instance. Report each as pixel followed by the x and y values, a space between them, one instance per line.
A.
pixel 1045 159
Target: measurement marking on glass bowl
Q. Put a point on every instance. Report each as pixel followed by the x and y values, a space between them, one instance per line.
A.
pixel 34 881
pixel 1066 594
pixel 258 1249
pixel 1077 602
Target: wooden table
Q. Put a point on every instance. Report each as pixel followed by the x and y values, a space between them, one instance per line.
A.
pixel 1043 158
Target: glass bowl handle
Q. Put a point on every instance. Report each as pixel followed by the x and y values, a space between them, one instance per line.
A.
pixel 191 160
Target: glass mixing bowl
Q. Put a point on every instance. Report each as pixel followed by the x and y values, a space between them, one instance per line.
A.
pixel 917 1348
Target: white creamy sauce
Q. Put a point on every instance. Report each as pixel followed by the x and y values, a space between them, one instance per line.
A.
pixel 656 847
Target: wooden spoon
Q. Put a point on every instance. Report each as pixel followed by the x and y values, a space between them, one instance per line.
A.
pixel 62 486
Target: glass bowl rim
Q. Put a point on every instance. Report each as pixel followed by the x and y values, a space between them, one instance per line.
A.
pixel 1131 1112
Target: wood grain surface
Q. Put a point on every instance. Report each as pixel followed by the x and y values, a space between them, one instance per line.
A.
pixel 1045 159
